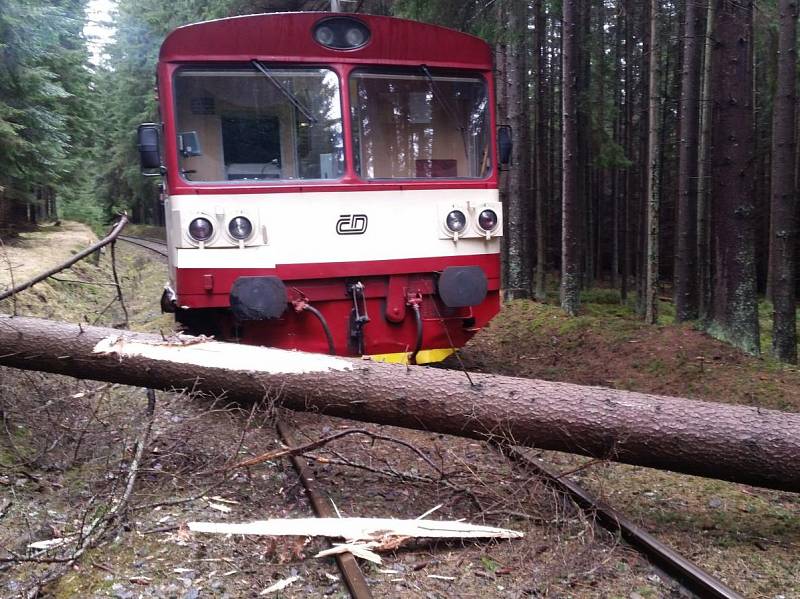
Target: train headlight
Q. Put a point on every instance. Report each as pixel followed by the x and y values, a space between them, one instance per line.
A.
pixel 240 227
pixel 201 229
pixel 341 33
pixel 324 35
pixel 487 220
pixel 355 37
pixel 456 222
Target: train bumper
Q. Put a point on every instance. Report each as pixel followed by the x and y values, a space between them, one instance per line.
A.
pixel 258 298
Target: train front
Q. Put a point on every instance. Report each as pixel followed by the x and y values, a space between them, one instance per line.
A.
pixel 330 183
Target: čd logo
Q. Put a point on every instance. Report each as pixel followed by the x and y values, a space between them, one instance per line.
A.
pixel 352 224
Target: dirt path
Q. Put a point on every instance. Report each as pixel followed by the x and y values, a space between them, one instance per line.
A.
pixel 36 251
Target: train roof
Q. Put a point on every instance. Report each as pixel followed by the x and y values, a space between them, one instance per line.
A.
pixel 287 37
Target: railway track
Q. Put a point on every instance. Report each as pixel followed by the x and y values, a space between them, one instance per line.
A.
pixel 686 573
pixel 692 578
pixel 155 245
pixel 352 575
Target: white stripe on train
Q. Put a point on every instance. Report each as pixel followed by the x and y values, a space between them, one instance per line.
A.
pixel 325 227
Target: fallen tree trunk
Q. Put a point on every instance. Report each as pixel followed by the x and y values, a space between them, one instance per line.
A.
pixel 736 443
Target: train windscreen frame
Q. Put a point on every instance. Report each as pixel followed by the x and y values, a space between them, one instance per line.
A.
pixel 297 113
pixel 418 124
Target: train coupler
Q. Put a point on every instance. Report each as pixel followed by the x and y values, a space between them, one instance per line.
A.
pixel 358 316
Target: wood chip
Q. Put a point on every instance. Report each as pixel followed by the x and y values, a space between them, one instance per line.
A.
pixel 280 585
pixel 50 543
pixel 361 550
pixel 219 499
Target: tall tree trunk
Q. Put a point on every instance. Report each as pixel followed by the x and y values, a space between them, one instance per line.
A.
pixel 644 165
pixel 617 173
pixel 570 213
pixel 599 196
pixel 653 187
pixel 734 306
pixel 784 208
pixel 584 119
pixel 557 133
pixel 630 173
pixel 703 180
pixel 540 154
pixel 501 84
pixel 518 281
pixel 686 306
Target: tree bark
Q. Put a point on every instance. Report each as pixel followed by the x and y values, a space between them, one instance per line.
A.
pixel 737 443
pixel 686 303
pixel 540 154
pixel 734 306
pixel 784 207
pixel 518 280
pixel 653 184
pixel 571 214
pixel 501 90
pixel 584 48
pixel 630 172
pixel 703 198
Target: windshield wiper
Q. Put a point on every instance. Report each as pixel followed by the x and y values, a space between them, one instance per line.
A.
pixel 289 95
pixel 446 105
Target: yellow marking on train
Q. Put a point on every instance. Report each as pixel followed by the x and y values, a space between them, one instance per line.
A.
pixel 426 356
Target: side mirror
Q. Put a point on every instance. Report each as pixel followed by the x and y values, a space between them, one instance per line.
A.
pixel 148 143
pixel 505 143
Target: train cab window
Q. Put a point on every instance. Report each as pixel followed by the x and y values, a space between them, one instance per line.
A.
pixel 418 124
pixel 250 125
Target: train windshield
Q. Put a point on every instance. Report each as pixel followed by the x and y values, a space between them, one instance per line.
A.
pixel 415 124
pixel 258 123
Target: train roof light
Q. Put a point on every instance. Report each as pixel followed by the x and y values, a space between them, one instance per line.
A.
pixel 341 33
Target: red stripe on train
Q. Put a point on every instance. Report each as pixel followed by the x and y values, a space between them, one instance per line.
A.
pixel 209 287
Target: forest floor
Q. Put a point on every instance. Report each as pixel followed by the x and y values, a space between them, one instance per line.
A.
pixel 66 445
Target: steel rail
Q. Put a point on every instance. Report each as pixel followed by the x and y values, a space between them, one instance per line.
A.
pixel 351 572
pixel 686 572
pixel 150 244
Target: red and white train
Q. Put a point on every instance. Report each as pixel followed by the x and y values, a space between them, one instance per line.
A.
pixel 330 183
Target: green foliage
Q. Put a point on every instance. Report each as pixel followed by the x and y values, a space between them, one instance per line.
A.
pixel 471 16
pixel 45 102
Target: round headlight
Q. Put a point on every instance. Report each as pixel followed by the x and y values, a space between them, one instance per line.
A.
pixel 456 221
pixel 355 37
pixel 488 220
pixel 201 229
pixel 240 227
pixel 341 33
pixel 324 35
